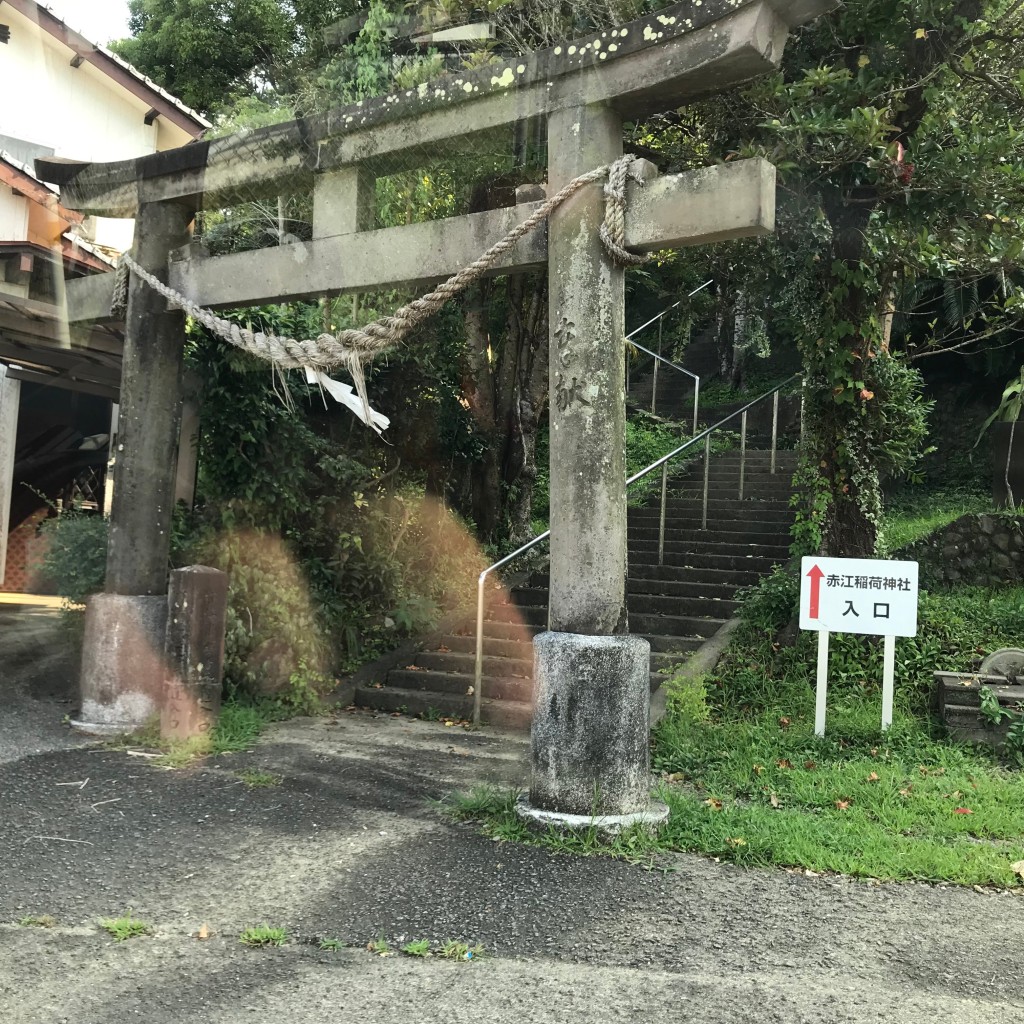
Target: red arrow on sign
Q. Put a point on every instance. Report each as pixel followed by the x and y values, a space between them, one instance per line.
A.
pixel 816 576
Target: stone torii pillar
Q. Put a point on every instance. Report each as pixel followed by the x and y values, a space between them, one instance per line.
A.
pixel 591 725
pixel 122 676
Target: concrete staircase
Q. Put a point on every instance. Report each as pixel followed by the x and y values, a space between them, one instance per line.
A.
pixel 676 606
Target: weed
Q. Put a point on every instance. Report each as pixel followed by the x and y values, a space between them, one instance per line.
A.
pixel 418 947
pixel 38 921
pixel 256 779
pixel 454 950
pixel 380 946
pixel 991 711
pixel 263 935
pixel 126 927
pixel 331 945
pixel 432 715
pixel 238 728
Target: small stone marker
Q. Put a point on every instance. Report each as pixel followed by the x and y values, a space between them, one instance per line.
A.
pixel 857 595
pixel 193 651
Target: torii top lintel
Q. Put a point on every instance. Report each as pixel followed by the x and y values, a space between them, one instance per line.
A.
pixel 653 64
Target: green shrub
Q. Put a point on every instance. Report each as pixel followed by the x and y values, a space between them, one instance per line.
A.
pixel 75 563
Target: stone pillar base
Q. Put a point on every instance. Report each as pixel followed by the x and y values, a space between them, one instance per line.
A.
pixel 652 818
pixel 122 663
pixel 591 726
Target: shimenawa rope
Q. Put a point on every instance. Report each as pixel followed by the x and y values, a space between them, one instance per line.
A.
pixel 352 347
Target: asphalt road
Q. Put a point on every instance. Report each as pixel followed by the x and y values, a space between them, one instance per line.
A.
pixel 349 846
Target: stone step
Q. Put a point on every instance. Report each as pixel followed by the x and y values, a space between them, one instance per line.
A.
pixel 769 520
pixel 755 534
pixel 682 495
pixel 744 563
pixel 506 714
pixel 643 622
pixel 652 585
pixel 670 646
pixel 709 547
pixel 644 602
pixel 518 666
pixel 674 625
pixel 453 683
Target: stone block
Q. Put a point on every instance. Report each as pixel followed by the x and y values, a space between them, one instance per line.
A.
pixel 591 725
pixel 193 651
pixel 122 663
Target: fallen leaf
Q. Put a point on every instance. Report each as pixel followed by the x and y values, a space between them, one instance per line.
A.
pixel 863 61
pixel 784 723
pixel 873 777
pixel 906 792
pixel 921 33
pixel 784 762
pixel 414 668
pixel 775 802
pixel 962 810
pixel 204 932
pixel 713 803
pixel 810 765
pixel 758 768
pixel 1018 868
pixel 442 649
pixel 866 394
pixel 675 777
pixel 738 841
pixel 874 751
pixel 843 805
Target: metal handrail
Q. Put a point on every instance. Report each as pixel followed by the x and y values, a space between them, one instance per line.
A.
pixel 663 462
pixel 659 358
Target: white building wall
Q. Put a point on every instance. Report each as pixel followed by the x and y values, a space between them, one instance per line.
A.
pixel 13 216
pixel 80 112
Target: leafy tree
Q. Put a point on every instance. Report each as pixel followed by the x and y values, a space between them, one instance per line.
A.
pixel 896 130
pixel 204 51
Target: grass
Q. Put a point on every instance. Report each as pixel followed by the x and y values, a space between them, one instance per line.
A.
pixel 238 728
pixel 38 921
pixel 456 950
pixel 255 779
pixel 418 948
pixel 331 945
pixel 747 781
pixel 380 946
pixel 126 927
pixel 914 513
pixel 263 935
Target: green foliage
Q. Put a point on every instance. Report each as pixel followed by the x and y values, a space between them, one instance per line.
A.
pixel 417 948
pixel 125 927
pixel 453 949
pixel 263 935
pixel 1010 405
pixel 256 779
pixel 954 628
pixel 688 696
pixel 202 52
pixel 326 567
pixel 75 563
pixel 752 784
pixel 38 921
pixel 916 512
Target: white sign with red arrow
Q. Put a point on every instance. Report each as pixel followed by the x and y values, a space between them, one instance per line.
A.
pixel 857 595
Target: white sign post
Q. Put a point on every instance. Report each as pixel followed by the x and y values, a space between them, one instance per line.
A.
pixel 857 595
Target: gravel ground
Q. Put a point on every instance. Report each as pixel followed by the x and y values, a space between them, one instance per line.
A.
pixel 349 846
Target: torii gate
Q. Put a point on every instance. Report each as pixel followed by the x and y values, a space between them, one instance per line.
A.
pixel 591 716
